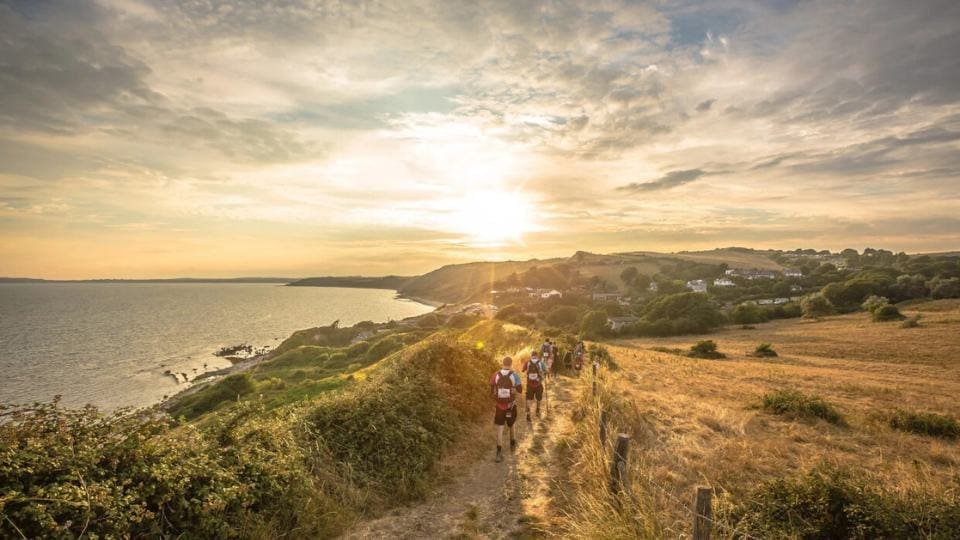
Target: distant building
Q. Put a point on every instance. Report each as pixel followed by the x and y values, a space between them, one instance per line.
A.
pixel 654 287
pixel 619 323
pixel 606 297
pixel 752 273
pixel 773 301
pixel 552 294
pixel 793 273
pixel 796 288
pixel 697 285
pixel 723 282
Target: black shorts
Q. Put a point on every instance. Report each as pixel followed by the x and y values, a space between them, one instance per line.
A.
pixel 506 416
pixel 535 392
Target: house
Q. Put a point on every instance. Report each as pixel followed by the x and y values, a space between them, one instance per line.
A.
pixel 619 323
pixel 796 288
pixel 697 285
pixel 606 297
pixel 773 301
pixel 752 273
pixel 793 273
pixel 551 294
pixel 654 287
pixel 723 282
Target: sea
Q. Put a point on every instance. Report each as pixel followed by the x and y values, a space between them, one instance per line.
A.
pixel 116 345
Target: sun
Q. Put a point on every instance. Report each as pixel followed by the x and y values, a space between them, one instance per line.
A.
pixel 493 218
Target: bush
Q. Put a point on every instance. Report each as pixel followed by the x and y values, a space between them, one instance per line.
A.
pixel 887 313
pixel 392 429
pixel 794 404
pixel 816 306
pixel 563 316
pixel 462 320
pixel 929 424
pixel 705 349
pixel 832 503
pixel 764 350
pixel 430 320
pixel 687 312
pixel 231 388
pixel 874 303
pixel 748 314
pixel 593 325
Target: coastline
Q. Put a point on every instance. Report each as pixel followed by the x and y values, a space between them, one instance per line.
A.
pixel 206 378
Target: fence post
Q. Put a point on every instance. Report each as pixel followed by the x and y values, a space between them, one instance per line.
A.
pixel 603 429
pixel 703 515
pixel 618 467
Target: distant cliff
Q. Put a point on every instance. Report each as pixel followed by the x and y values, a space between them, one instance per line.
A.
pixel 394 283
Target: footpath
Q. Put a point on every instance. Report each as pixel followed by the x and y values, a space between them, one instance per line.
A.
pixel 511 499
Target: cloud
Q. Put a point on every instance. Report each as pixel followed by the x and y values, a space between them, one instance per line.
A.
pixel 668 181
pixel 705 106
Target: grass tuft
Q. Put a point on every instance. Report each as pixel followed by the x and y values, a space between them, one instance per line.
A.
pixel 928 424
pixel 794 404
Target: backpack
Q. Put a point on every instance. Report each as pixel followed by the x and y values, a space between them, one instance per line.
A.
pixel 534 373
pixel 504 388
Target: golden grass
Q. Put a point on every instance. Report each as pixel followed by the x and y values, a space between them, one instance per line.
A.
pixel 704 426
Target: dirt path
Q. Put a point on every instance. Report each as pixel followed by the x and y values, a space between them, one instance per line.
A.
pixel 489 500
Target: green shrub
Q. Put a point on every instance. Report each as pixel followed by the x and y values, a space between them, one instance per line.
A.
pixel 563 316
pixel 816 306
pixel 593 325
pixel 231 388
pixel 384 348
pixel 887 313
pixel 705 349
pixel 748 314
pixel 430 320
pixel 794 404
pixel 764 350
pixel 688 313
pixel 874 302
pixel 391 430
pixel 832 503
pixel 929 424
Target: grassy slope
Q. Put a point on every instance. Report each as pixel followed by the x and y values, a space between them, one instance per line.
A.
pixel 461 282
pixel 699 422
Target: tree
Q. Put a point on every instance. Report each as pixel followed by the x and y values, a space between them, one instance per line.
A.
pixel 887 312
pixel 629 275
pixel 562 316
pixel 874 302
pixel 945 288
pixel 747 314
pixel 593 325
pixel 816 306
pixel 690 312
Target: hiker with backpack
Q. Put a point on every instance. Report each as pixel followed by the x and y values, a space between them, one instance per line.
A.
pixel 546 355
pixel 506 386
pixel 535 370
pixel 578 352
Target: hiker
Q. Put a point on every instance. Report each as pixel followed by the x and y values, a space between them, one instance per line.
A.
pixel 546 354
pixel 578 357
pixel 535 370
pixel 505 385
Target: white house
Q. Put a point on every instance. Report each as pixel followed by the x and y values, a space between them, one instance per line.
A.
pixel 793 273
pixel 723 282
pixel 654 286
pixel 697 285
pixel 552 294
pixel 618 323
pixel 606 297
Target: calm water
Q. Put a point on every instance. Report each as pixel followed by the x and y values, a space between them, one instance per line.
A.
pixel 109 344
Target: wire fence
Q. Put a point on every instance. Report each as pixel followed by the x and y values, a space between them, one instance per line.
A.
pixel 700 512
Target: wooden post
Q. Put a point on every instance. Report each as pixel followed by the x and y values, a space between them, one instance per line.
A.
pixel 703 513
pixel 618 466
pixel 603 429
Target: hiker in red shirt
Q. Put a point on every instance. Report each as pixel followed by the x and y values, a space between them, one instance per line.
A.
pixel 505 386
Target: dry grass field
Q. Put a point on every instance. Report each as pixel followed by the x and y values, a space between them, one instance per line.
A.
pixel 699 421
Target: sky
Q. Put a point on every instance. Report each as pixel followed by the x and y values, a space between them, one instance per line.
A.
pixel 301 137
